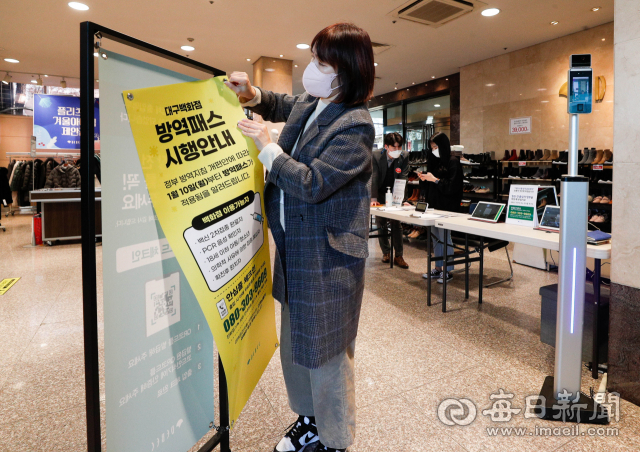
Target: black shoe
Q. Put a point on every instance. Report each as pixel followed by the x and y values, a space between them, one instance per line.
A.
pixel 321 448
pixel 301 432
pixel 441 278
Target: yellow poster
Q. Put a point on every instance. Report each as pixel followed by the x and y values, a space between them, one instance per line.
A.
pixel 206 185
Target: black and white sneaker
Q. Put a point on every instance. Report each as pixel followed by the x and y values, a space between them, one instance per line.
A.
pixel 434 274
pixel 441 278
pixel 301 432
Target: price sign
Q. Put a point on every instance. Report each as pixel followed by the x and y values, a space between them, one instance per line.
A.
pixel 520 125
pixel 598 167
pixel 522 163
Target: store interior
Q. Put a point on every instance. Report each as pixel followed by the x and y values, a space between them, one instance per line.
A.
pixel 495 85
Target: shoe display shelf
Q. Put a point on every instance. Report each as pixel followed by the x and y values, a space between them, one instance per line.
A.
pixel 540 171
pixel 480 176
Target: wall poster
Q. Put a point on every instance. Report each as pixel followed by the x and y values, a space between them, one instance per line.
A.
pixel 206 183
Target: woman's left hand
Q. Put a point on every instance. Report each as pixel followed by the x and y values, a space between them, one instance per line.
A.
pixel 430 177
pixel 255 130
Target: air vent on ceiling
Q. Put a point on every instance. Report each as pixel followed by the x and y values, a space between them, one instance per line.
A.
pixel 434 12
pixel 378 48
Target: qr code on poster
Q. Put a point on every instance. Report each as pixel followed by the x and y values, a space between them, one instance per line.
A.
pixel 162 298
pixel 163 304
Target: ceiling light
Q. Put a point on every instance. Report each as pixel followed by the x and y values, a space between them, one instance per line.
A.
pixel 555 22
pixel 597 8
pixel 281 56
pixel 11 60
pixel 63 83
pixel 303 46
pixel 603 39
pixel 542 89
pixel 295 65
pixel 436 105
pixel 6 79
pixel 270 69
pixel 188 48
pixel 433 76
pixel 375 64
pixel 490 12
pixel 79 6
pixel 46 75
pixel 544 101
pixel 413 83
pixel 490 84
pixel 95 54
pixel 248 59
pixel 34 81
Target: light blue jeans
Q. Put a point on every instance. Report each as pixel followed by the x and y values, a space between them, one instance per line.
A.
pixel 439 246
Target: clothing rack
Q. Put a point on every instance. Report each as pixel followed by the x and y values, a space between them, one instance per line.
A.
pixel 62 155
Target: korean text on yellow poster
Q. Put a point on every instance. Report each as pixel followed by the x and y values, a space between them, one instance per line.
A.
pixel 206 185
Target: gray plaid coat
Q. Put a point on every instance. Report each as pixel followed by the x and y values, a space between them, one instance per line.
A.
pixel 320 260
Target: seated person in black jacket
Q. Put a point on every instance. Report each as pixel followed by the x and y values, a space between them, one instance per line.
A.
pixel 389 164
pixel 444 192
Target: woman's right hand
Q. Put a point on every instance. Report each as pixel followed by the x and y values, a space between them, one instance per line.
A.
pixel 239 83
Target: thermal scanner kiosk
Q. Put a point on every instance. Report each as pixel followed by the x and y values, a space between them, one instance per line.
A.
pixel 561 393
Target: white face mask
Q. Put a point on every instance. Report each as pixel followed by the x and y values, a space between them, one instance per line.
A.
pixel 436 152
pixel 317 83
pixel 394 154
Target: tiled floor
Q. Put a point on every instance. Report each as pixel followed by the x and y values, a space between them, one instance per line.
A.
pixel 409 357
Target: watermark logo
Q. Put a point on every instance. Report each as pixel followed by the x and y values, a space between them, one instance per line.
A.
pixel 457 412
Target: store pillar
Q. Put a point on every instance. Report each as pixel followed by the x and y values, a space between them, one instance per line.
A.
pixel 273 74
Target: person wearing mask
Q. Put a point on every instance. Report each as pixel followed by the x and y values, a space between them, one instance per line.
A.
pixel 316 199
pixel 444 192
pixel 389 164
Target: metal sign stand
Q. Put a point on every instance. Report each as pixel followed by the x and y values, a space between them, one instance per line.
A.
pixel 89 32
pixel 561 397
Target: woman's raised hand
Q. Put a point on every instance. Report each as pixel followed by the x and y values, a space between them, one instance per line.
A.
pixel 239 83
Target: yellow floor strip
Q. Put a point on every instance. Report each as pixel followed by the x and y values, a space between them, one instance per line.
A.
pixel 6 284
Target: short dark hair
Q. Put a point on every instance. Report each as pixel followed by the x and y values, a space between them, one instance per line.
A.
pixel 348 49
pixel 390 139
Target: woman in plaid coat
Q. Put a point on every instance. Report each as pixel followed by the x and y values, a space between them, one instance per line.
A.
pixel 317 202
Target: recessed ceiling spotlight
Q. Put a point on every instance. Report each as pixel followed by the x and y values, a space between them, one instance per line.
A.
pixel 248 59
pixel 490 12
pixel 46 75
pixel 375 64
pixel 542 89
pixel 295 65
pixel 413 83
pixel 95 54
pixel 604 39
pixel 490 84
pixel 436 105
pixel 303 46
pixel 281 56
pixel 11 60
pixel 270 69
pixel 596 8
pixel 544 101
pixel 433 76
pixel 188 48
pixel 555 22
pixel 79 6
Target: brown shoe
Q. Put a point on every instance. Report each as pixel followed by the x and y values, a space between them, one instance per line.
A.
pixel 386 258
pixel 399 262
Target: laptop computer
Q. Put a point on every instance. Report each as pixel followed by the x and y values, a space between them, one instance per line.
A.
pixel 550 219
pixel 487 211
